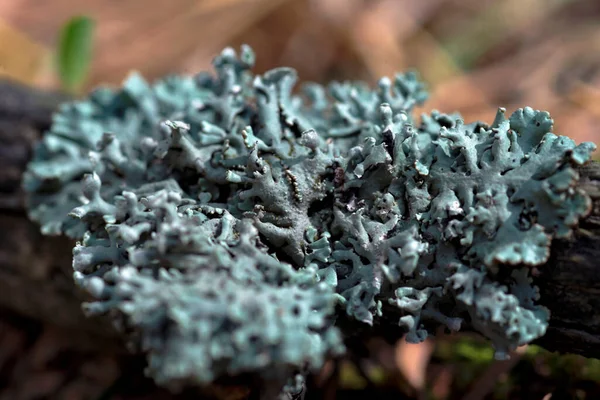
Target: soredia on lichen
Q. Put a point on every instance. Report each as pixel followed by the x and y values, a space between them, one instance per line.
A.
pixel 225 222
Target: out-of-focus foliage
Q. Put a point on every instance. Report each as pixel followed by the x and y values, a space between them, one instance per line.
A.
pixel 537 372
pixel 74 53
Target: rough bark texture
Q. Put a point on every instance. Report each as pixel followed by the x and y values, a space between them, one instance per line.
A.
pixel 35 272
pixel 570 282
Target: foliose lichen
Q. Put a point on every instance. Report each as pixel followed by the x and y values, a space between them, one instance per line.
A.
pixel 225 221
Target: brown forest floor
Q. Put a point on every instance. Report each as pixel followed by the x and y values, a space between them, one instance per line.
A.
pixel 476 55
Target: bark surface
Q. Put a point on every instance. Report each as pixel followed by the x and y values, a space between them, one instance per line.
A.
pixel 35 271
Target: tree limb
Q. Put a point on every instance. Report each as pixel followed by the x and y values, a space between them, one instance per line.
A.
pixel 35 271
pixel 570 282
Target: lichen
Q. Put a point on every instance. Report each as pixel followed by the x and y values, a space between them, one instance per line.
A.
pixel 206 298
pixel 226 222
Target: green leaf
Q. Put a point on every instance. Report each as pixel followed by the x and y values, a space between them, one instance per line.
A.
pixel 75 52
pixel 475 352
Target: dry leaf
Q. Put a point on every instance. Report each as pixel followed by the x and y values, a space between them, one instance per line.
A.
pixel 412 361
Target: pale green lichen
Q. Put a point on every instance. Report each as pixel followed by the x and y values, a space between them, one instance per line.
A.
pixel 222 218
pixel 204 295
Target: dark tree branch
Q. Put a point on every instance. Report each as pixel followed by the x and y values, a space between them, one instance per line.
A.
pixel 570 282
pixel 35 271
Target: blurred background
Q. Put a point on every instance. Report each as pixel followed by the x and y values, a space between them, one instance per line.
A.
pixel 475 55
